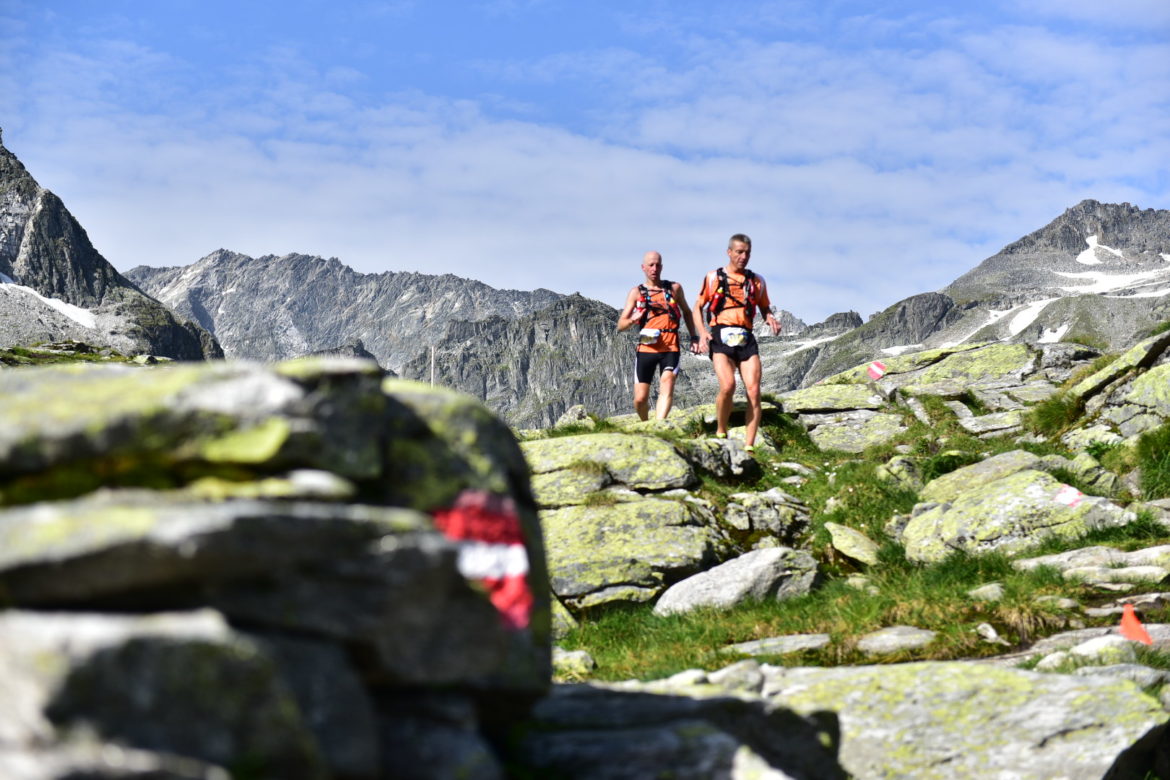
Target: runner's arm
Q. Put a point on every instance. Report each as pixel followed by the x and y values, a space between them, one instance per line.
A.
pixel 688 316
pixel 626 318
pixel 766 307
pixel 697 319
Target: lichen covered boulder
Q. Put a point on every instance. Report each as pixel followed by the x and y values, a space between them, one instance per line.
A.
pixel 948 486
pixel 831 398
pixel 638 462
pixel 1008 515
pixel 380 533
pixel 972 720
pixel 627 552
pixel 852 431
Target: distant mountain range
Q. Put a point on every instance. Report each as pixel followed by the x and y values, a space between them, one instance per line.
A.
pixel 269 308
pixel 1098 275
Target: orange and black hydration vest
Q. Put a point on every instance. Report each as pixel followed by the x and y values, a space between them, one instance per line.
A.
pixel 658 309
pixel 721 298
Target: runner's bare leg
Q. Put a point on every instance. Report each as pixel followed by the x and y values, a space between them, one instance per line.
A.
pixel 642 399
pixel 750 370
pixel 665 394
pixel 725 373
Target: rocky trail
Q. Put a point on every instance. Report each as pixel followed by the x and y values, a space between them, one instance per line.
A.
pixel 308 569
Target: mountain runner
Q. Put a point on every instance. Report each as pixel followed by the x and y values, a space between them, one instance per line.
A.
pixel 732 296
pixel 656 307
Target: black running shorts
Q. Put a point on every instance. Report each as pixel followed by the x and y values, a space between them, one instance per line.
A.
pixel 647 364
pixel 737 354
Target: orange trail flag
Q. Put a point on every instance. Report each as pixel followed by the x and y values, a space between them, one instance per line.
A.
pixel 1132 628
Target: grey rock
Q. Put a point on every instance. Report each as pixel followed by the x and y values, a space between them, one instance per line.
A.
pixel 894 639
pixel 852 431
pixel 405 610
pixel 182 684
pixel 744 676
pixel 988 633
pixel 430 734
pixel 903 471
pixel 932 719
pixel 639 462
pixel 1108 649
pixel 1098 557
pixel 651 730
pixel 779 645
pixel 572 663
pixel 1007 514
pixel 627 552
pixel 723 458
pixel 852 543
pixel 771 573
pixel 950 485
pixel 313 415
pixel 333 701
pixel 112 545
pixel 773 512
pixel 1143 676
pixel 992 591
pixel 994 424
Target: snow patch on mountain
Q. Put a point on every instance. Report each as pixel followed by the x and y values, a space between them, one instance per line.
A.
pixel 1091 256
pixel 1027 314
pixel 83 317
pixel 1055 335
pixel 901 348
pixel 1100 282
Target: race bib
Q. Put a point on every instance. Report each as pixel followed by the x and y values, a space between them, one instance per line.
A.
pixel 649 335
pixel 734 337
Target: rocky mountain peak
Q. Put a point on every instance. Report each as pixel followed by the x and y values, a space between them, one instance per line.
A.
pixel 50 267
pixel 1135 234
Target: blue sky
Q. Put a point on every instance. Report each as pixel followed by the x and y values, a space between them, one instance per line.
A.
pixel 872 150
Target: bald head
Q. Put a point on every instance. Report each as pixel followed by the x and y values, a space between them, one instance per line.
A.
pixel 652 267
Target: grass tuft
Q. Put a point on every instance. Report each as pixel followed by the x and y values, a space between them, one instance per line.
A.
pixel 1153 458
pixel 1053 416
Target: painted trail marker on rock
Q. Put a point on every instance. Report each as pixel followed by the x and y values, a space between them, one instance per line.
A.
pixel 491 550
pixel 877 370
pixel 1132 628
pixel 1068 495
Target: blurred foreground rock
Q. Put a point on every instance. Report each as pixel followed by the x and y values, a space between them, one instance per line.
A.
pixel 300 570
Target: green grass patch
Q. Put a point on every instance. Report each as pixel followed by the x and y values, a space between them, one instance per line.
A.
pixel 32 356
pixel 973 402
pixel 1053 416
pixel 596 425
pixel 599 498
pixel 633 643
pixel 1153 458
pixel 1161 327
pixel 1088 340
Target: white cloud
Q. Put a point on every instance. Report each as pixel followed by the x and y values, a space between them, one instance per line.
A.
pixel 864 174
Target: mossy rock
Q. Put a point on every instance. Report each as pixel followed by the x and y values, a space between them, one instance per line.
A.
pixel 1009 515
pixel 639 462
pixel 628 552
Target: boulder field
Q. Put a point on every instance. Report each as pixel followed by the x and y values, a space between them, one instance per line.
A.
pixel 309 570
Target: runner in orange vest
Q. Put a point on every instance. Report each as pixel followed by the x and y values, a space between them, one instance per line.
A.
pixel 733 296
pixel 656 307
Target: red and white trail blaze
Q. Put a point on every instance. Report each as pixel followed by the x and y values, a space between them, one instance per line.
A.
pixel 491 550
